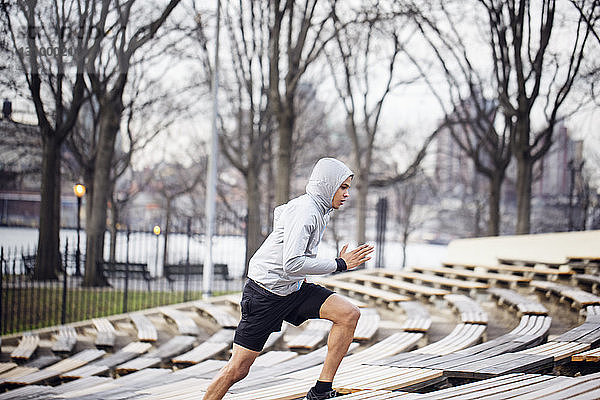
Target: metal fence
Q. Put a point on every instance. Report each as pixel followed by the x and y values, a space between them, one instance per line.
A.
pixel 137 280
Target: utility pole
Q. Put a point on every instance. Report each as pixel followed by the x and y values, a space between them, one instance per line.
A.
pixel 211 189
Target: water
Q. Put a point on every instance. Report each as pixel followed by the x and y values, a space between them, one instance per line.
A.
pixel 230 250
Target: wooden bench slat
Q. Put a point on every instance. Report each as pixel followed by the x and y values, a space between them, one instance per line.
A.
pixel 433 279
pixel 146 331
pixel 396 284
pixel 185 324
pixel 27 346
pixel 221 316
pixel 486 276
pixel 374 293
pixel 65 340
pixel 105 335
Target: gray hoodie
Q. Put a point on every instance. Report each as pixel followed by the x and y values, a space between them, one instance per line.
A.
pixel 289 253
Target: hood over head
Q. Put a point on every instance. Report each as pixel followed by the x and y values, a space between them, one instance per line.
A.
pixel 327 176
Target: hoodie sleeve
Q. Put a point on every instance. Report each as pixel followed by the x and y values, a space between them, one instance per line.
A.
pixel 296 234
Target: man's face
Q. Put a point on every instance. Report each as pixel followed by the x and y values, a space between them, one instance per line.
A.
pixel 342 194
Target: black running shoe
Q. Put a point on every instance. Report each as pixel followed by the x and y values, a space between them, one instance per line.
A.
pixel 312 395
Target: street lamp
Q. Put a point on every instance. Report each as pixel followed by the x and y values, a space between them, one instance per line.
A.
pixel 79 191
pixel 156 231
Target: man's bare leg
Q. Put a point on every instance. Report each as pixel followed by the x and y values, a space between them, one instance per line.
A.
pixel 344 316
pixel 236 369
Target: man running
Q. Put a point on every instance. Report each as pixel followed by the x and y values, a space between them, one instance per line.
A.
pixel 277 290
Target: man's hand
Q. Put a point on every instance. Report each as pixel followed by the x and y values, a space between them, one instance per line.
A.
pixel 357 256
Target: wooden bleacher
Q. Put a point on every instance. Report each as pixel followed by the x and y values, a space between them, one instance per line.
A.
pixel 217 313
pixel 368 323
pixel 27 346
pixel 389 284
pixel 65 340
pixel 377 296
pixel 176 345
pixel 469 310
pixel 55 370
pixel 314 332
pixel 216 344
pixel 103 366
pixel 433 280
pixel 489 278
pixel 417 317
pixel 520 269
pixel 105 336
pixel 185 324
pixel 577 297
pixel 146 331
pixel 521 304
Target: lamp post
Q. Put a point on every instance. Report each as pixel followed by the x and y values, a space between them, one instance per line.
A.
pixel 156 231
pixel 79 191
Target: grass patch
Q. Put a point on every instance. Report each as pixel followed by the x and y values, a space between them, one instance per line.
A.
pixel 38 307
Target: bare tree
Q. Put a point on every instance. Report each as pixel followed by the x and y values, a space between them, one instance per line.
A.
pixel 108 81
pixel 409 195
pixel 245 122
pixel 298 32
pixel 471 118
pixel 363 87
pixel 54 43
pixel 527 70
pixel 174 181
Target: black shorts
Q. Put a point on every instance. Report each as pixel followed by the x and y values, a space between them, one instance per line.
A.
pixel 263 312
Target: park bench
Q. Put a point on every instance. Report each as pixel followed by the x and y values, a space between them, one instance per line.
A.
pixel 105 335
pixel 384 283
pixel 27 346
pixel 377 295
pixel 217 313
pixel 434 280
pixel 176 345
pixel 146 331
pixel 65 339
pixel 28 264
pixel 417 317
pixel 185 324
pixel 180 271
pixel 61 367
pixel 515 301
pixel 104 365
pixel 314 332
pixel 470 312
pixel 117 269
pixel 478 276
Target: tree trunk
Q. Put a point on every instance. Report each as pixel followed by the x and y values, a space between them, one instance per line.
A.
pixel 362 189
pixel 114 219
pixel 48 253
pixel 254 237
pixel 524 180
pixel 284 156
pixel 166 231
pixel 494 205
pixel 108 128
